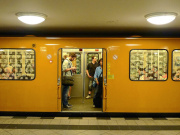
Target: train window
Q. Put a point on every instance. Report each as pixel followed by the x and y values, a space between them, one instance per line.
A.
pixel 17 64
pixel 89 57
pixel 78 63
pixel 148 65
pixel 176 65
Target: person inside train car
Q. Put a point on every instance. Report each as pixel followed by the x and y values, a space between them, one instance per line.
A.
pixel 91 67
pixel 177 61
pixel 142 74
pixel 67 71
pixel 69 92
pixel 98 76
pixel 9 73
pixel 2 73
pixel 164 76
pixel 12 73
pixel 177 75
pixel 152 74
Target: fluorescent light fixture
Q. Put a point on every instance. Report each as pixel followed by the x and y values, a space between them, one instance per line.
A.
pixel 52 37
pixel 160 18
pixel 131 38
pixel 133 44
pixel 31 17
pixel 1 50
pixel 51 44
pixel 28 50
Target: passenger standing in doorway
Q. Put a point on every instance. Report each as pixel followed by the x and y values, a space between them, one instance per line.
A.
pixel 67 71
pixel 69 92
pixel 98 76
pixel 90 73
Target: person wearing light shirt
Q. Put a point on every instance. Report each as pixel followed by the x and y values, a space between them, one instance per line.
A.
pixel 98 76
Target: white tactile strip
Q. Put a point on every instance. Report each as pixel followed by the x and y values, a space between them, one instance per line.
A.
pixel 89 118
pixel 65 118
pixel 86 132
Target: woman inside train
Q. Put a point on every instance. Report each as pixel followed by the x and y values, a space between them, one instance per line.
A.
pixel 98 76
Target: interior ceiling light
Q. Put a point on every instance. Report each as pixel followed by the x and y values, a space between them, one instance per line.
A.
pixel 31 17
pixel 160 18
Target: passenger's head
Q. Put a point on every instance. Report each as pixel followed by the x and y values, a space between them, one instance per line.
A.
pixel 178 71
pixel 72 56
pixel 100 62
pixel 94 59
pixel 8 69
pixel 65 56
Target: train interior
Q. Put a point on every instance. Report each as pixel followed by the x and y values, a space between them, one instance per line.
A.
pixel 79 91
pixel 20 62
pixel 148 65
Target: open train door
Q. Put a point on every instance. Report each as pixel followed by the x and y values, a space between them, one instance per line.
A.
pixel 59 85
pixel 104 80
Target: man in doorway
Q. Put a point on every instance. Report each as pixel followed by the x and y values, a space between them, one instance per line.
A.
pixel 90 73
pixel 67 71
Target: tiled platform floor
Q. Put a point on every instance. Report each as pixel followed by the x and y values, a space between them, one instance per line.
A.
pixel 88 126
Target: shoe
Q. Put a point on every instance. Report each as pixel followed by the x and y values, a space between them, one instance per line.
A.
pixel 88 97
pixel 70 105
pixel 69 97
pixel 66 106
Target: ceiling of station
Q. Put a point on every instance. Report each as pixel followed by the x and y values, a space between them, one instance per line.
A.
pixel 117 18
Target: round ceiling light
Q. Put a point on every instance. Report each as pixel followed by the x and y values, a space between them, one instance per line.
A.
pixel 31 17
pixel 161 18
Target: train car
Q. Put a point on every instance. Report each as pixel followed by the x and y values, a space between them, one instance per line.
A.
pixel 140 75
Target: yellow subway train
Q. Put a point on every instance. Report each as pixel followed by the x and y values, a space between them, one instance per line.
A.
pixel 140 75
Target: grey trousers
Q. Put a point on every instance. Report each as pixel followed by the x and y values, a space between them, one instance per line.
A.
pixel 90 87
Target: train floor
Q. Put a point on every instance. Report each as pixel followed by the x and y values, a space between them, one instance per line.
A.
pixel 80 105
pixel 13 125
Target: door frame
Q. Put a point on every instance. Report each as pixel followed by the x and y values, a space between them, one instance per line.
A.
pixel 59 91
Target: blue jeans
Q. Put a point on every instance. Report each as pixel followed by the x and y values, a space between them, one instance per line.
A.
pixel 64 95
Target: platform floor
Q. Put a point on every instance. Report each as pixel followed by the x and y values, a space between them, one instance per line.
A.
pixel 88 126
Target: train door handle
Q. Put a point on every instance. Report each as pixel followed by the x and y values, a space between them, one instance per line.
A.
pixel 105 80
pixel 58 93
pixel 58 83
pixel 105 92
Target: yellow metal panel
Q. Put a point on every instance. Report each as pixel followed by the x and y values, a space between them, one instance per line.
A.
pixel 104 80
pixel 59 79
pixel 138 96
